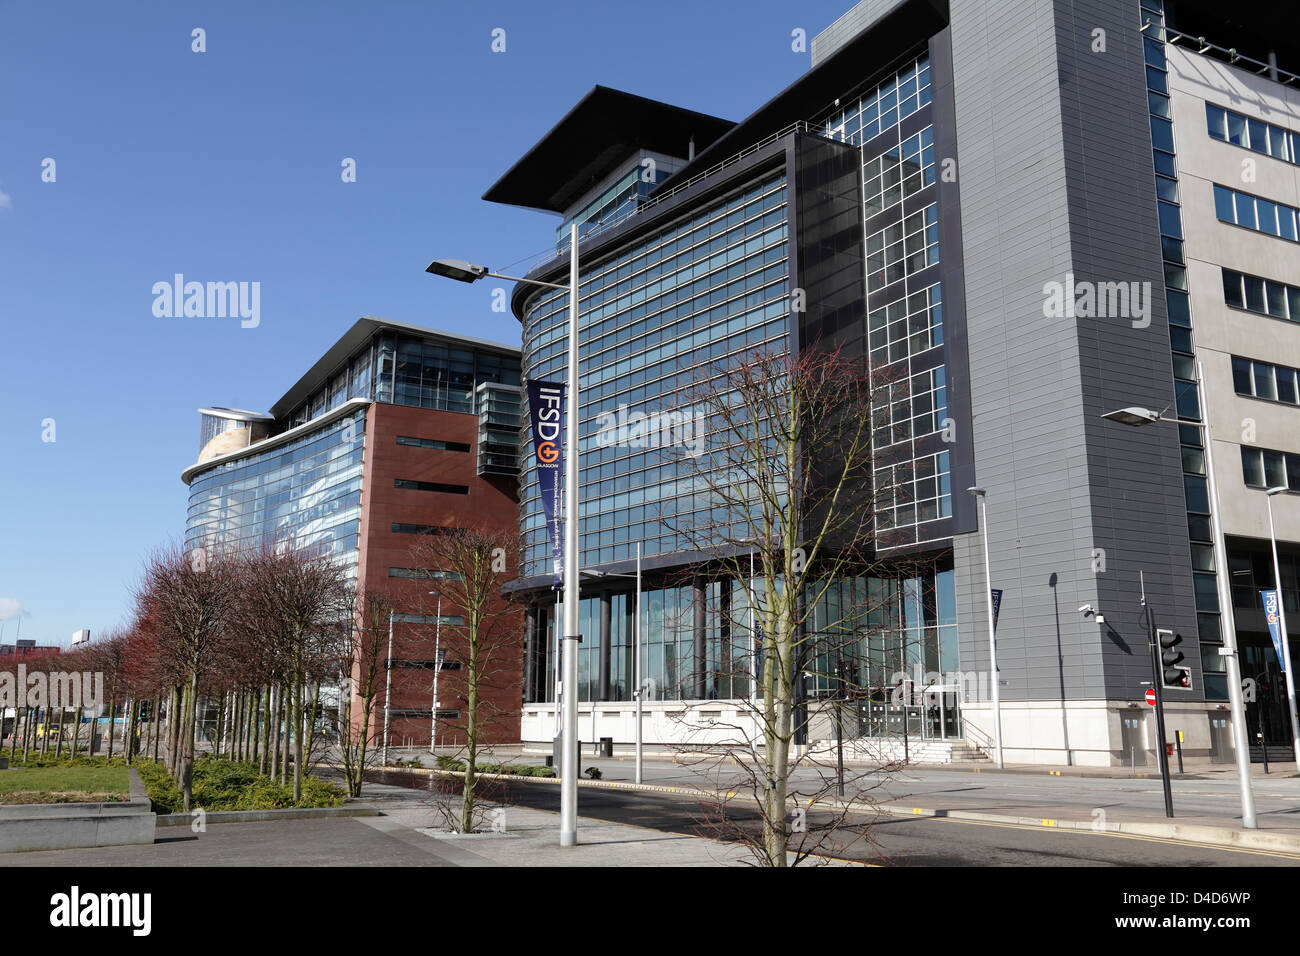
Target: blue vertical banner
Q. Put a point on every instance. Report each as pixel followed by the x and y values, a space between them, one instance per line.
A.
pixel 758 650
pixel 546 417
pixel 997 606
pixel 1274 625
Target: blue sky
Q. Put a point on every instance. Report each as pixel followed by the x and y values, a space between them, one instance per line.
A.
pixel 225 166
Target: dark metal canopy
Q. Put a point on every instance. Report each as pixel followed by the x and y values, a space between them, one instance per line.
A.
pixel 603 130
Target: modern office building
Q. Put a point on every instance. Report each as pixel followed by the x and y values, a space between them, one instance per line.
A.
pixel 397 431
pixel 1030 213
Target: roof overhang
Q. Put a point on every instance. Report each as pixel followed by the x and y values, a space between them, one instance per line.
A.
pixel 236 414
pixel 266 444
pixel 353 339
pixel 602 131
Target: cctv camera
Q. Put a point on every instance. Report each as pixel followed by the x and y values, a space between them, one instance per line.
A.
pixel 1087 610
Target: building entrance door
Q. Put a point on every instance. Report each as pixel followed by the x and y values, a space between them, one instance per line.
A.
pixel 1131 739
pixel 1220 740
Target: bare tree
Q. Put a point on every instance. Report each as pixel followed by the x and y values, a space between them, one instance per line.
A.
pixel 360 664
pixel 190 598
pixel 469 567
pixel 783 484
pixel 295 598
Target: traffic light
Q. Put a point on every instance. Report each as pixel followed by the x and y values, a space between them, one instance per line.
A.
pixel 1173 674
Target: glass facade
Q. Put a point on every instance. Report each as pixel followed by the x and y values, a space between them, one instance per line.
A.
pixel 498 428
pixel 890 120
pixel 308 488
pixel 877 627
pixel 652 318
pixel 210 426
pixel 616 202
pixel 404 369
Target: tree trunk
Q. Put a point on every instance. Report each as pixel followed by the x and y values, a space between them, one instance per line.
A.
pixel 273 731
pixel 296 703
pixel 259 748
pixel 27 734
pixel 311 719
pixel 286 734
pixel 367 714
pixel 173 727
pixel 157 726
pixel 219 728
pixel 94 728
pixel 128 741
pixel 191 715
pixel 471 730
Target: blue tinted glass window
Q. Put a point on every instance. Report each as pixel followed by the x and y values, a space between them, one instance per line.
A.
pixel 1162 134
pixel 1223 206
pixel 1217 121
pixel 1241 376
pixel 1232 292
pixel 1170 221
pixel 1245 207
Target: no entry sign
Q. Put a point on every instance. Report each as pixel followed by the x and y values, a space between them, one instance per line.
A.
pixel 1151 696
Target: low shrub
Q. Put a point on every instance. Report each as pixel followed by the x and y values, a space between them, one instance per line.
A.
pixel 221 784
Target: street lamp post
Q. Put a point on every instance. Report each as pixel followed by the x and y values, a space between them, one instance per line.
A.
pixel 464 271
pixel 1281 622
pixel 993 646
pixel 388 685
pixel 437 670
pixel 640 691
pixel 1137 417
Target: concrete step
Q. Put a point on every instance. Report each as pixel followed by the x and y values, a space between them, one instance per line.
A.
pixel 917 751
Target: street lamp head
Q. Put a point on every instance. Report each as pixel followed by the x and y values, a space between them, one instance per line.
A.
pixel 1133 416
pixel 1279 490
pixel 977 492
pixel 457 269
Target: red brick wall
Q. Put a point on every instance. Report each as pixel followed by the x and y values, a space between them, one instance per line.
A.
pixel 491 502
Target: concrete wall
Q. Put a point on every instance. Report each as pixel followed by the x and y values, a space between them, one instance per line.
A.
pixel 1222 332
pixel 62 826
pixel 1056 180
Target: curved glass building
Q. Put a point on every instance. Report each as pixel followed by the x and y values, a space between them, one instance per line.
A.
pixel 396 432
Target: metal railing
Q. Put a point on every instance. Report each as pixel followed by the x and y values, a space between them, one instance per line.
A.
pixel 1204 47
pixel 799 126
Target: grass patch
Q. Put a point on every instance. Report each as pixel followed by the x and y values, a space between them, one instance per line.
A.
pixel 510 769
pixel 64 784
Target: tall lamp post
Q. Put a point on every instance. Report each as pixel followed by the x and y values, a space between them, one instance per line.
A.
pixel 388 684
pixel 437 670
pixel 464 271
pixel 1281 622
pixel 1137 417
pixel 993 644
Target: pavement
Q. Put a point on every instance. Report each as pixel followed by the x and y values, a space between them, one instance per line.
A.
pixel 1206 797
pixel 1093 804
pixel 402 836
